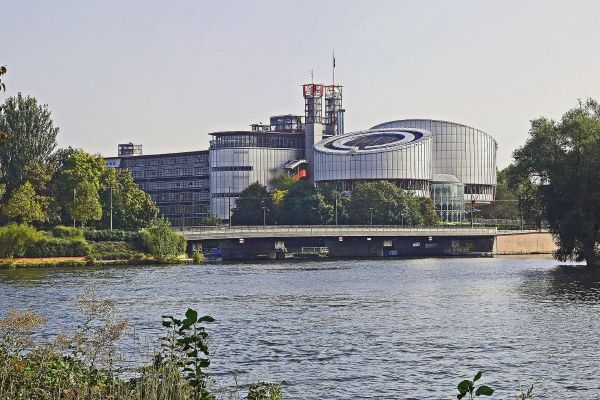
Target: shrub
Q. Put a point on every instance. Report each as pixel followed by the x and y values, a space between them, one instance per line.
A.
pixel 198 258
pixel 112 250
pixel 15 239
pixel 67 232
pixel 58 247
pixel 162 241
pixel 264 391
pixel 110 236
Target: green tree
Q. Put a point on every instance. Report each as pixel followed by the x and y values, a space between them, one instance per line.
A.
pixel 337 199
pixel 25 205
pixel 33 137
pixel 387 203
pixel 133 208
pixel 561 160
pixel 4 136
pixel 506 205
pixel 249 206
pixel 283 182
pixel 86 203
pixel 211 220
pixel 303 205
pixel 426 211
pixel 162 241
pixel 73 168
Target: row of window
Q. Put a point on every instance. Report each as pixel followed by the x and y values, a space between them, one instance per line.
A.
pixel 234 168
pixel 174 185
pixel 221 195
pixel 289 141
pixel 185 209
pixel 139 162
pixel 168 173
pixel 185 196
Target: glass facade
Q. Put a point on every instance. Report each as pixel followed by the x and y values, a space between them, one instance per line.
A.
pixel 258 139
pixel 448 199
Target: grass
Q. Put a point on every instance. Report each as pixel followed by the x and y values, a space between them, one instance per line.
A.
pixel 85 363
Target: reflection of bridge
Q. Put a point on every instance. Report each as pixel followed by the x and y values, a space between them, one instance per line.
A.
pixel 247 242
pixel 320 231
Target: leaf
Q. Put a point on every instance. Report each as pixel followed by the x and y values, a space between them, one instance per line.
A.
pixel 464 386
pixel 476 378
pixel 460 395
pixel 206 318
pixel 484 390
pixel 167 324
pixel 191 315
pixel 204 363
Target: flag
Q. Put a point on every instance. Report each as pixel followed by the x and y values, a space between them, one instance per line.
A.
pixel 333 60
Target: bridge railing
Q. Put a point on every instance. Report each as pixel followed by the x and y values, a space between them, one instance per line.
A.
pixel 333 230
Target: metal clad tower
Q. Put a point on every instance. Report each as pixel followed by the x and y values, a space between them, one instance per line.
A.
pixel 313 118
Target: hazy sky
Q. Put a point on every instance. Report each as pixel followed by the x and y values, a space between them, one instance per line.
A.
pixel 165 74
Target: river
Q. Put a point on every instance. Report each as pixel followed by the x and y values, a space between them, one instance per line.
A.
pixel 381 329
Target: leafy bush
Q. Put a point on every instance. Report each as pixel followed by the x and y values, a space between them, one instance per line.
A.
pixel 15 239
pixel 58 247
pixel 112 250
pixel 264 391
pixel 67 232
pixel 198 258
pixel 162 241
pixel 110 236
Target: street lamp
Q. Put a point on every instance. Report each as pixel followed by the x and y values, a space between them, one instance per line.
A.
pixel 371 211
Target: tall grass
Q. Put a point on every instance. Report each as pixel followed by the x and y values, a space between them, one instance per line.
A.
pixel 86 364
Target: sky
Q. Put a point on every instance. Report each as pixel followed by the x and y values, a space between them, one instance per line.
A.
pixel 165 74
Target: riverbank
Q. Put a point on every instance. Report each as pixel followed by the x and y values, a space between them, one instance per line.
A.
pixel 76 262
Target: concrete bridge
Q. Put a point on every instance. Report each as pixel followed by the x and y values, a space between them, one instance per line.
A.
pixel 317 231
pixel 248 242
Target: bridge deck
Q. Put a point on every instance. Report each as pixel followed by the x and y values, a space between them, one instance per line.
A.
pixel 247 232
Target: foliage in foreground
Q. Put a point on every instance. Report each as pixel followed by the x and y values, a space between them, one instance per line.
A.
pixel 467 387
pixel 84 364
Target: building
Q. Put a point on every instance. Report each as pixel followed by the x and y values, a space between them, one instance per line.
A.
pixel 177 182
pixel 240 158
pixel 454 164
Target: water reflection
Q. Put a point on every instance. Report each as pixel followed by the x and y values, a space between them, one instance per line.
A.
pixel 564 283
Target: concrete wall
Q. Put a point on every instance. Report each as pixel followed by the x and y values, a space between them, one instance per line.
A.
pixel 524 243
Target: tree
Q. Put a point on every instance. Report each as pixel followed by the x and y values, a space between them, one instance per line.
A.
pixel 33 137
pixel 162 241
pixel 426 211
pixel 86 203
pixel 133 208
pixel 4 136
pixel 506 205
pixel 561 160
pixel 386 202
pixel 25 205
pixel 303 205
pixel 211 220
pixel 74 168
pixel 337 199
pixel 249 206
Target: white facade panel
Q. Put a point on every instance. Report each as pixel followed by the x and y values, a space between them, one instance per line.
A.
pixel 462 151
pixel 234 169
pixel 393 154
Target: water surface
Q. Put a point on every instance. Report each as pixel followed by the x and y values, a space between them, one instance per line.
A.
pixel 384 329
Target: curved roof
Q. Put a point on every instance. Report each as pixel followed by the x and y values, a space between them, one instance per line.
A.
pixel 400 121
pixel 444 178
pixel 373 140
